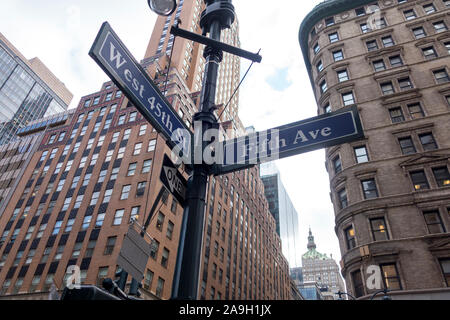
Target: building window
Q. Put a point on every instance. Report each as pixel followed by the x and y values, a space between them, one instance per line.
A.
pixel 415 111
pixel 360 11
pixel 405 84
pixel 387 41
pixel 396 115
pixel 118 217
pixel 165 257
pixel 429 8
pixel 337 165
pixel 379 65
pixel 365 28
pixel 151 145
pixel 395 61
pixel 442 176
pixel 419 180
pixel 440 26
pixel 154 247
pixel 323 86
pixel 329 21
pixel 160 221
pixel 350 238
pixel 348 98
pixel 334 37
pixel 447 46
pixel 316 48
pixel 428 142
pixel 100 219
pixel 445 266
pixel 142 130
pixel 441 76
pixel 342 75
pixel 387 88
pixel 110 243
pixel 159 287
pixel 170 227
pixel 338 55
pixel 361 154
pixel 327 108
pixel 173 207
pixel 125 192
pixel 433 221
pixel 342 195
pixel 379 230
pixel 141 188
pixel 419 32
pixel 90 249
pixel 131 169
pixel 409 14
pixel 407 145
pixel 148 279
pixel 391 278
pixel 133 116
pixel 121 119
pixel 137 149
pixel 369 188
pixel 372 45
pixel 429 53
pixel 319 66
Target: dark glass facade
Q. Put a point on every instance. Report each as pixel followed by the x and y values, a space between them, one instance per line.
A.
pixel 23 96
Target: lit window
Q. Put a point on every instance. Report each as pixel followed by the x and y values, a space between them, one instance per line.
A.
pixel 442 176
pixel 350 238
pixel 419 180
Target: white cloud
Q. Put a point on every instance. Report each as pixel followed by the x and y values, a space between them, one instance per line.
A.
pixel 61 33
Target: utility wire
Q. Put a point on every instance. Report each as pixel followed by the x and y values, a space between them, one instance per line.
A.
pixel 235 90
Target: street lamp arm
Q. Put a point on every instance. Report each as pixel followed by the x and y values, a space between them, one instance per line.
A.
pixel 340 293
pixel 386 297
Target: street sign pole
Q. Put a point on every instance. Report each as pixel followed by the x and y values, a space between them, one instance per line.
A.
pixel 218 15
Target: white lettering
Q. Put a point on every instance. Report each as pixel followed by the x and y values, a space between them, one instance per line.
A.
pixel 116 57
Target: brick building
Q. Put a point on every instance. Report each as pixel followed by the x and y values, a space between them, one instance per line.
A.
pixel 391 191
pixel 99 168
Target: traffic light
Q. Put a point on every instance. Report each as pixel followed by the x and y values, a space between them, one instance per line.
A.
pixel 87 292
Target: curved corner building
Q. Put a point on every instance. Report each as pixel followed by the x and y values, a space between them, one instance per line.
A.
pixel 390 191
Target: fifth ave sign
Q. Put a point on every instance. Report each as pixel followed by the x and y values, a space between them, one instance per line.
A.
pixel 303 136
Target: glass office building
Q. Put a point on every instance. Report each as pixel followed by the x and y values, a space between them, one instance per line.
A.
pixel 281 207
pixel 24 95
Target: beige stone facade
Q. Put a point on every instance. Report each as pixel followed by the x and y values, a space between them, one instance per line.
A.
pixel 391 191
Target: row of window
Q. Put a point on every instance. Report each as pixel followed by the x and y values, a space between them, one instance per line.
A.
pixel 380 232
pixel 418 178
pixel 108 97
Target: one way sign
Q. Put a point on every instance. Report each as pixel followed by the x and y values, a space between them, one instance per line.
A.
pixel 173 180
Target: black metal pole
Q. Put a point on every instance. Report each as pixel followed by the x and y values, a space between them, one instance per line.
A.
pixel 187 272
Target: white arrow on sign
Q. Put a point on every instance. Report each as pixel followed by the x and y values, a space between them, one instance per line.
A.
pixel 174 182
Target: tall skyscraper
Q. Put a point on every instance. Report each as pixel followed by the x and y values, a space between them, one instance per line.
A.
pixel 28 91
pixel 391 190
pixel 99 168
pixel 282 209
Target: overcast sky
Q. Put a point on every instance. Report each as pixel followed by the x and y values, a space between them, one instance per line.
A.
pixel 275 92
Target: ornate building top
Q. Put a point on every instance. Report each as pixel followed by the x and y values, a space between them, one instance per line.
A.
pixel 312 252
